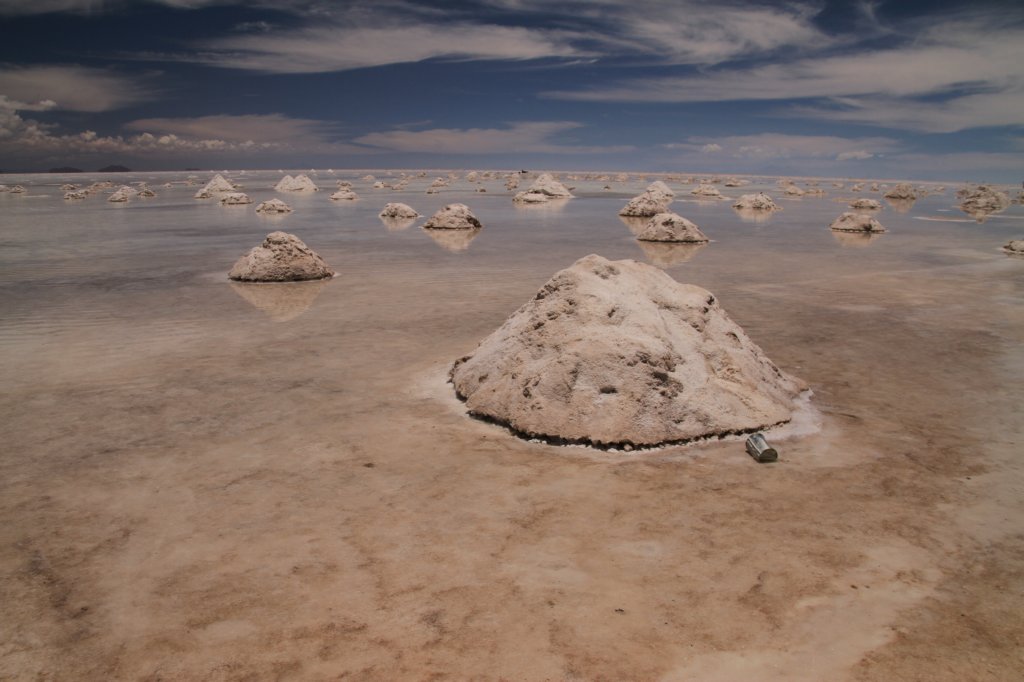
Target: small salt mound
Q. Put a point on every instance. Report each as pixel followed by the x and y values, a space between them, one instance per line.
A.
pixel 512 183
pixel 857 188
pixel 273 206
pixel 707 191
pixel 901 191
pixel 146 193
pixel 546 184
pixel 756 202
pixel 300 183
pixel 75 195
pixel 282 257
pixel 453 217
pixel 531 197
pixel 17 189
pixel 398 210
pixel 344 195
pixel 856 222
pixel 794 191
pixel 648 204
pixel 67 188
pixel 865 204
pixel 618 353
pixel 235 199
pixel 122 194
pixel 1015 247
pixel 982 200
pixel 671 227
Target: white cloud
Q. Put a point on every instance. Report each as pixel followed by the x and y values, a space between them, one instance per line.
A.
pixel 277 129
pixel 782 146
pixel 72 88
pixel 527 137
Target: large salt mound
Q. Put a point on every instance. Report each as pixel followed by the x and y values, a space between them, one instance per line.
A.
pixel 856 222
pixel 646 205
pixel 300 183
pixel 453 217
pixel 671 227
pixel 618 353
pixel 756 202
pixel 398 210
pixel 546 184
pixel 982 200
pixel 282 257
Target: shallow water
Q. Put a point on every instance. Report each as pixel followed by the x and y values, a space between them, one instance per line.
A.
pixel 188 459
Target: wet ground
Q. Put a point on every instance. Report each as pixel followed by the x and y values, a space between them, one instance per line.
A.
pixel 203 480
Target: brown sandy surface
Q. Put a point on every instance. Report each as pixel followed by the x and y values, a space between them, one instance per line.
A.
pixel 306 501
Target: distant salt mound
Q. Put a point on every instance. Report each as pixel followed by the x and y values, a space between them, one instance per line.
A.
pixel 734 182
pixel 756 202
pixel 122 194
pixel 858 187
pixel 671 227
pixel 706 191
pixel 901 191
pixel 219 184
pixel 300 183
pixel 76 195
pixel 472 176
pixel 814 192
pixel 982 200
pixel 235 199
pixel 344 195
pixel 453 217
pixel 856 222
pixel 659 187
pixel 68 187
pixel 282 257
pixel 1015 247
pixel 512 183
pixel 398 210
pixel 531 197
pixel 647 205
pixel 273 206
pixel 547 185
pixel 146 193
pixel 865 204
pixel 794 191
pixel 619 354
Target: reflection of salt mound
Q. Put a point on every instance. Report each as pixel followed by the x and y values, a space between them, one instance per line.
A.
pixel 235 199
pixel 707 192
pixel 281 301
pixel 646 205
pixel 282 257
pixel 755 215
pixel 982 200
pixel 398 210
pixel 618 353
pixel 756 202
pixel 855 239
pixel 453 217
pixel 901 205
pixel 300 183
pixel 865 204
pixel 122 194
pixel 671 227
pixel 1015 247
pixel 272 206
pixel 856 222
pixel 397 224
pixel 666 254
pixel 453 240
pixel 901 191
pixel 547 185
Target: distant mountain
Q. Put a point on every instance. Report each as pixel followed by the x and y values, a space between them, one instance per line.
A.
pixel 114 169
pixel 65 169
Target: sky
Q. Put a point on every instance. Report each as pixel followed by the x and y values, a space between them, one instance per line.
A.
pixel 928 90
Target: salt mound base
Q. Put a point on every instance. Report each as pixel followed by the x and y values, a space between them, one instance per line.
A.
pixel 282 257
pixel 453 217
pixel 856 222
pixel 756 202
pixel 671 227
pixel 1015 247
pixel 620 354
pixel 547 185
pixel 300 183
pixel 398 210
pixel 273 206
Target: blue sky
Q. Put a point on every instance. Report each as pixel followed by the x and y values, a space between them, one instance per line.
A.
pixel 925 90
